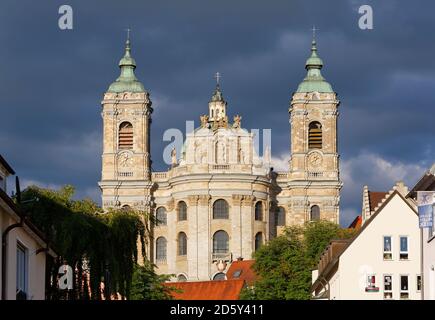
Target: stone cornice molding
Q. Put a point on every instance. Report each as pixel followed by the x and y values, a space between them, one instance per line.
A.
pixel 204 200
pixel 248 200
pixel 192 200
pixel 237 199
pixel 170 204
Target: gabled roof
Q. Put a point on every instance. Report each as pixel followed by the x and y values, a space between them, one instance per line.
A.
pixel 242 270
pixel 206 290
pixel 356 223
pixel 331 265
pixel 375 197
pixel 426 183
pixel 4 163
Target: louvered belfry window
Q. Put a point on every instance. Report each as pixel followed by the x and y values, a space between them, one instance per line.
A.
pixel 125 136
pixel 315 135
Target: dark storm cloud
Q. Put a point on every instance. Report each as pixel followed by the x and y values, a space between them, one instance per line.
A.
pixel 52 81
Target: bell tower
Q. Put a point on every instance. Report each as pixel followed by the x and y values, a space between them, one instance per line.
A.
pixel 314 180
pixel 126 161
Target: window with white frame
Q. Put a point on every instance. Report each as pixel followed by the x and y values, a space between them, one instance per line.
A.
pixel 388 286
pixel 371 283
pixel 22 272
pixel 404 287
pixel 418 283
pixel 388 253
pixel 403 248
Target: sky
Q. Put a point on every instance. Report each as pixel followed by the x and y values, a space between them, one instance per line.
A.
pixel 52 80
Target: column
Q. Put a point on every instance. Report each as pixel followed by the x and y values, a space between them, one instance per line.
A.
pixel 171 238
pixel 247 227
pixel 203 233
pixel 193 245
pixel 236 238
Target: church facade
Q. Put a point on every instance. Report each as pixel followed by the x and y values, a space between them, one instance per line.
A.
pixel 219 201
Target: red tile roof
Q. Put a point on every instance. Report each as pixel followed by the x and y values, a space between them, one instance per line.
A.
pixel 242 270
pixel 375 198
pixel 206 290
pixel 356 223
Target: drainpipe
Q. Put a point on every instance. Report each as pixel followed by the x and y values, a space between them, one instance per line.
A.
pixel 4 255
pixel 421 264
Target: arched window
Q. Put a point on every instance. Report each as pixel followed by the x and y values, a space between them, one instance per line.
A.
pixel 220 209
pixel 181 278
pixel 219 276
pixel 182 244
pixel 125 138
pixel 126 207
pixel 258 240
pixel 280 217
pixel 259 211
pixel 182 211
pixel 315 135
pixel 220 242
pixel 315 213
pixel 161 245
pixel 161 217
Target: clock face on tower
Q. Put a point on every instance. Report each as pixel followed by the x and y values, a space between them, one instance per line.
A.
pixel 315 159
pixel 125 159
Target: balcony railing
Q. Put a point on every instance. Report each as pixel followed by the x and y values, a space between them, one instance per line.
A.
pixel 220 166
pixel 160 175
pixel 125 174
pixel 315 174
pixel 222 256
pixel 161 260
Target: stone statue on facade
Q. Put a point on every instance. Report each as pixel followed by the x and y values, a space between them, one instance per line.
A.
pixel 174 157
pixel 237 122
pixel 204 121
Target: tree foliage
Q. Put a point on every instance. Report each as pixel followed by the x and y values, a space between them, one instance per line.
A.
pixel 284 264
pixel 147 286
pixel 102 248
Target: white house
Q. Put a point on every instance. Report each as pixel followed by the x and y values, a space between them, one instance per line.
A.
pixel 382 261
pixel 427 183
pixel 23 251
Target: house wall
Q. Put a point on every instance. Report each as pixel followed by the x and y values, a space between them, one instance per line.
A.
pixel 429 265
pixel 365 255
pixel 35 262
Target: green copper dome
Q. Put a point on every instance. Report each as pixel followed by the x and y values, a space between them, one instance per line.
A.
pixel 314 80
pixel 127 81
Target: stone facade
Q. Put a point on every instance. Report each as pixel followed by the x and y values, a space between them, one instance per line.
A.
pixel 313 178
pixel 219 200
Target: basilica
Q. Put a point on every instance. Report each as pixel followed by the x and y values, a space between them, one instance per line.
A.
pixel 219 201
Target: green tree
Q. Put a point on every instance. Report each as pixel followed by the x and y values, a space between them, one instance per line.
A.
pixel 101 245
pixel 146 285
pixel 284 264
